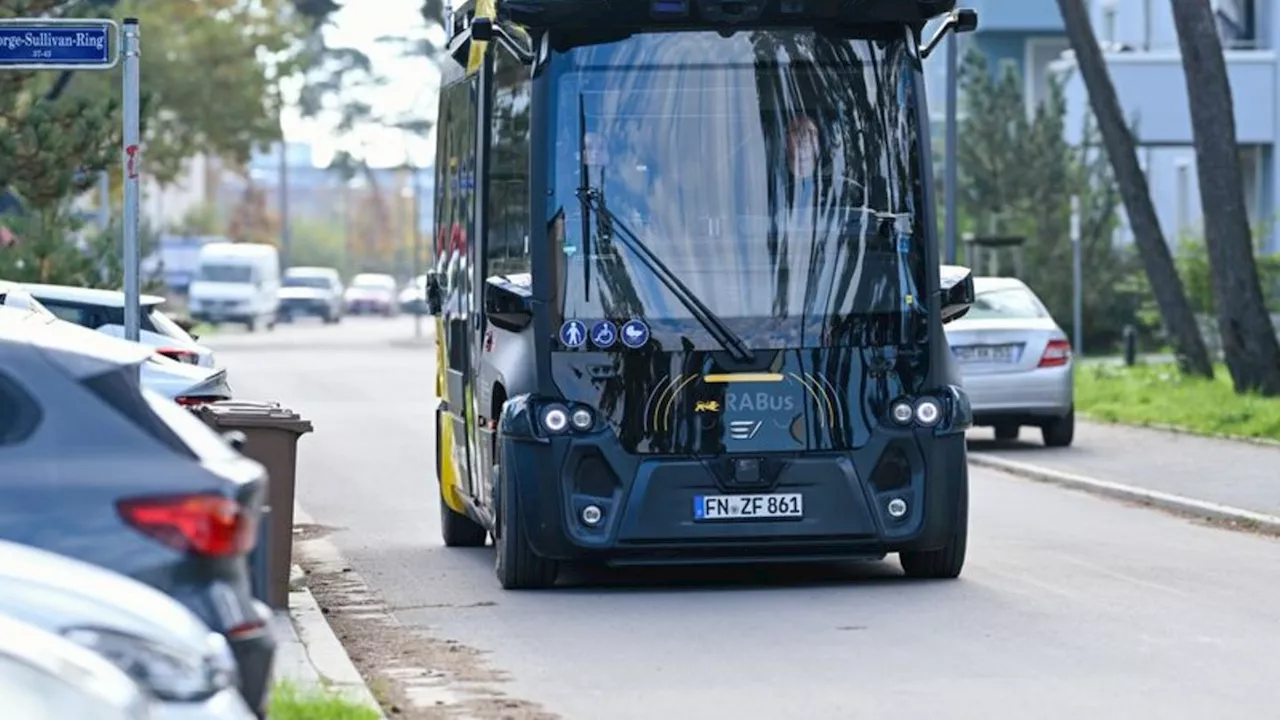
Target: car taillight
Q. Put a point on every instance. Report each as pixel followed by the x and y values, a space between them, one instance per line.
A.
pixel 182 356
pixel 192 401
pixel 208 525
pixel 1056 354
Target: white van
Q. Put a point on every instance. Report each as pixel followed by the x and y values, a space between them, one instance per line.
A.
pixel 237 283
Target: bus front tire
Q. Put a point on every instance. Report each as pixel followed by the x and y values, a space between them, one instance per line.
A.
pixel 517 566
pixel 946 562
pixel 458 530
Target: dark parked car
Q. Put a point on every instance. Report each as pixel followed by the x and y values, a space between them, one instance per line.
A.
pixel 98 469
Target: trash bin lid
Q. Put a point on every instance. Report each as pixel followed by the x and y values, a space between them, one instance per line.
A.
pixel 253 413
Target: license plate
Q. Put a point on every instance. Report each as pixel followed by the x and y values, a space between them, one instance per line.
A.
pixel 988 353
pixel 747 507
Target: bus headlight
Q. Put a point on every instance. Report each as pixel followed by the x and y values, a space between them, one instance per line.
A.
pixel 928 411
pixel 902 412
pixel 582 419
pixel 555 418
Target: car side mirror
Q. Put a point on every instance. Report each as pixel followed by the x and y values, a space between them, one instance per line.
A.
pixel 957 292
pixel 507 305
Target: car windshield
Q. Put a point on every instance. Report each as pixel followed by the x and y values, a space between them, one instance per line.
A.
pixel 225 273
pixel 776 174
pixel 1010 303
pixel 304 281
pixel 373 282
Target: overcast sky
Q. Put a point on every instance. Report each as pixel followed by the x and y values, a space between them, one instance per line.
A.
pixel 412 86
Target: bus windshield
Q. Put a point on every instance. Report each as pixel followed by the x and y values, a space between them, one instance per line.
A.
pixel 776 174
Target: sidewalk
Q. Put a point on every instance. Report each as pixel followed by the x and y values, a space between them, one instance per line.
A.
pixel 1228 479
pixel 310 655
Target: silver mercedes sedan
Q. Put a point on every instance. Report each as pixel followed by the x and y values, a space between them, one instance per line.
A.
pixel 1015 362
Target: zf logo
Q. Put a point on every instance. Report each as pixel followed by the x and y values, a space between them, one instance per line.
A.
pixel 743 429
pixel 759 401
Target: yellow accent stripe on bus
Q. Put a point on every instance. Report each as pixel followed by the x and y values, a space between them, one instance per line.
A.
pixel 743 378
pixel 475 58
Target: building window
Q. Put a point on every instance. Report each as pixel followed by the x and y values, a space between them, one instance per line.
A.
pixel 1237 23
pixel 1041 53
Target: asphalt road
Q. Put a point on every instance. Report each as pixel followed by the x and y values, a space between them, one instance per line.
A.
pixel 1071 606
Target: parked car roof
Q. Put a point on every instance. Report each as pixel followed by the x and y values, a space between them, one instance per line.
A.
pixel 89 296
pixel 304 270
pixel 14 295
pixel 987 282
pixel 78 351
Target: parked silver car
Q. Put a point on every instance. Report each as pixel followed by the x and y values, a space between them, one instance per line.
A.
pixel 1016 362
pixel 313 291
pixel 182 382
pixel 184 666
pixel 46 677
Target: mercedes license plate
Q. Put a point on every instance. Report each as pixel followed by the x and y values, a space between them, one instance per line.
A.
pixel 748 507
pixel 988 353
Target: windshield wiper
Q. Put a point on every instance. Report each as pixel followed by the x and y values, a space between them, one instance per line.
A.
pixel 593 201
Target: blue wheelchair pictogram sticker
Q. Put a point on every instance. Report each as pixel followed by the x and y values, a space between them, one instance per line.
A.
pixel 573 333
pixel 635 333
pixel 604 334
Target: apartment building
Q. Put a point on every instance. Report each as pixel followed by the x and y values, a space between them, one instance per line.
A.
pixel 1141 48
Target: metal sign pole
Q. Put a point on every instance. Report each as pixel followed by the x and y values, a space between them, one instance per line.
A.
pixel 132 158
pixel 90 44
pixel 1077 278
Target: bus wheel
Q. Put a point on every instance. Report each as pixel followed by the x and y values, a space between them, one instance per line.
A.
pixel 946 562
pixel 458 530
pixel 517 566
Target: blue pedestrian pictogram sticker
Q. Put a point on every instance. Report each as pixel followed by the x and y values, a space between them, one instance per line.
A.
pixel 604 334
pixel 635 333
pixel 573 333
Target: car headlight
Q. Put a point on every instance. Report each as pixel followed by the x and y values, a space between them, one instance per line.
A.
pixel 166 672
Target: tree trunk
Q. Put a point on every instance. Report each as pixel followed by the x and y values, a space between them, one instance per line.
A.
pixel 1179 320
pixel 1249 342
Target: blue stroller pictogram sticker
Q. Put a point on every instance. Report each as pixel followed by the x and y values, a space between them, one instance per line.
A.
pixel 635 333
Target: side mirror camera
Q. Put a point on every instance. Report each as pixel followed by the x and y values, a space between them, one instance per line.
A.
pixel 964 20
pixel 507 305
pixel 482 29
pixel 957 292
pixel 485 30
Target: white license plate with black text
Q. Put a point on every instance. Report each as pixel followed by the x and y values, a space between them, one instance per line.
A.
pixel 748 507
pixel 988 353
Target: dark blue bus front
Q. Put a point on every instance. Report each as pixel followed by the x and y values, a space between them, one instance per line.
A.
pixel 741 354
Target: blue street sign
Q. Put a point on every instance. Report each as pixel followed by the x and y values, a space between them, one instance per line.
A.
pixel 635 333
pixel 43 44
pixel 604 334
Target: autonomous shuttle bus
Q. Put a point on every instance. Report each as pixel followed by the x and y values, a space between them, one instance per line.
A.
pixel 690 301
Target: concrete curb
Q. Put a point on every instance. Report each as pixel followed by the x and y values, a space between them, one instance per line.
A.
pixel 324 650
pixel 1164 501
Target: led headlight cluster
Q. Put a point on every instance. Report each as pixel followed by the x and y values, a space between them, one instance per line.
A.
pixel 556 418
pixel 924 411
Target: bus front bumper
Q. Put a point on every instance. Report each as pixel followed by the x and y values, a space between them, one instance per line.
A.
pixel 584 500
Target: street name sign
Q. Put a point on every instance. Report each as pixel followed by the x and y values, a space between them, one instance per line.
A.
pixel 58 44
